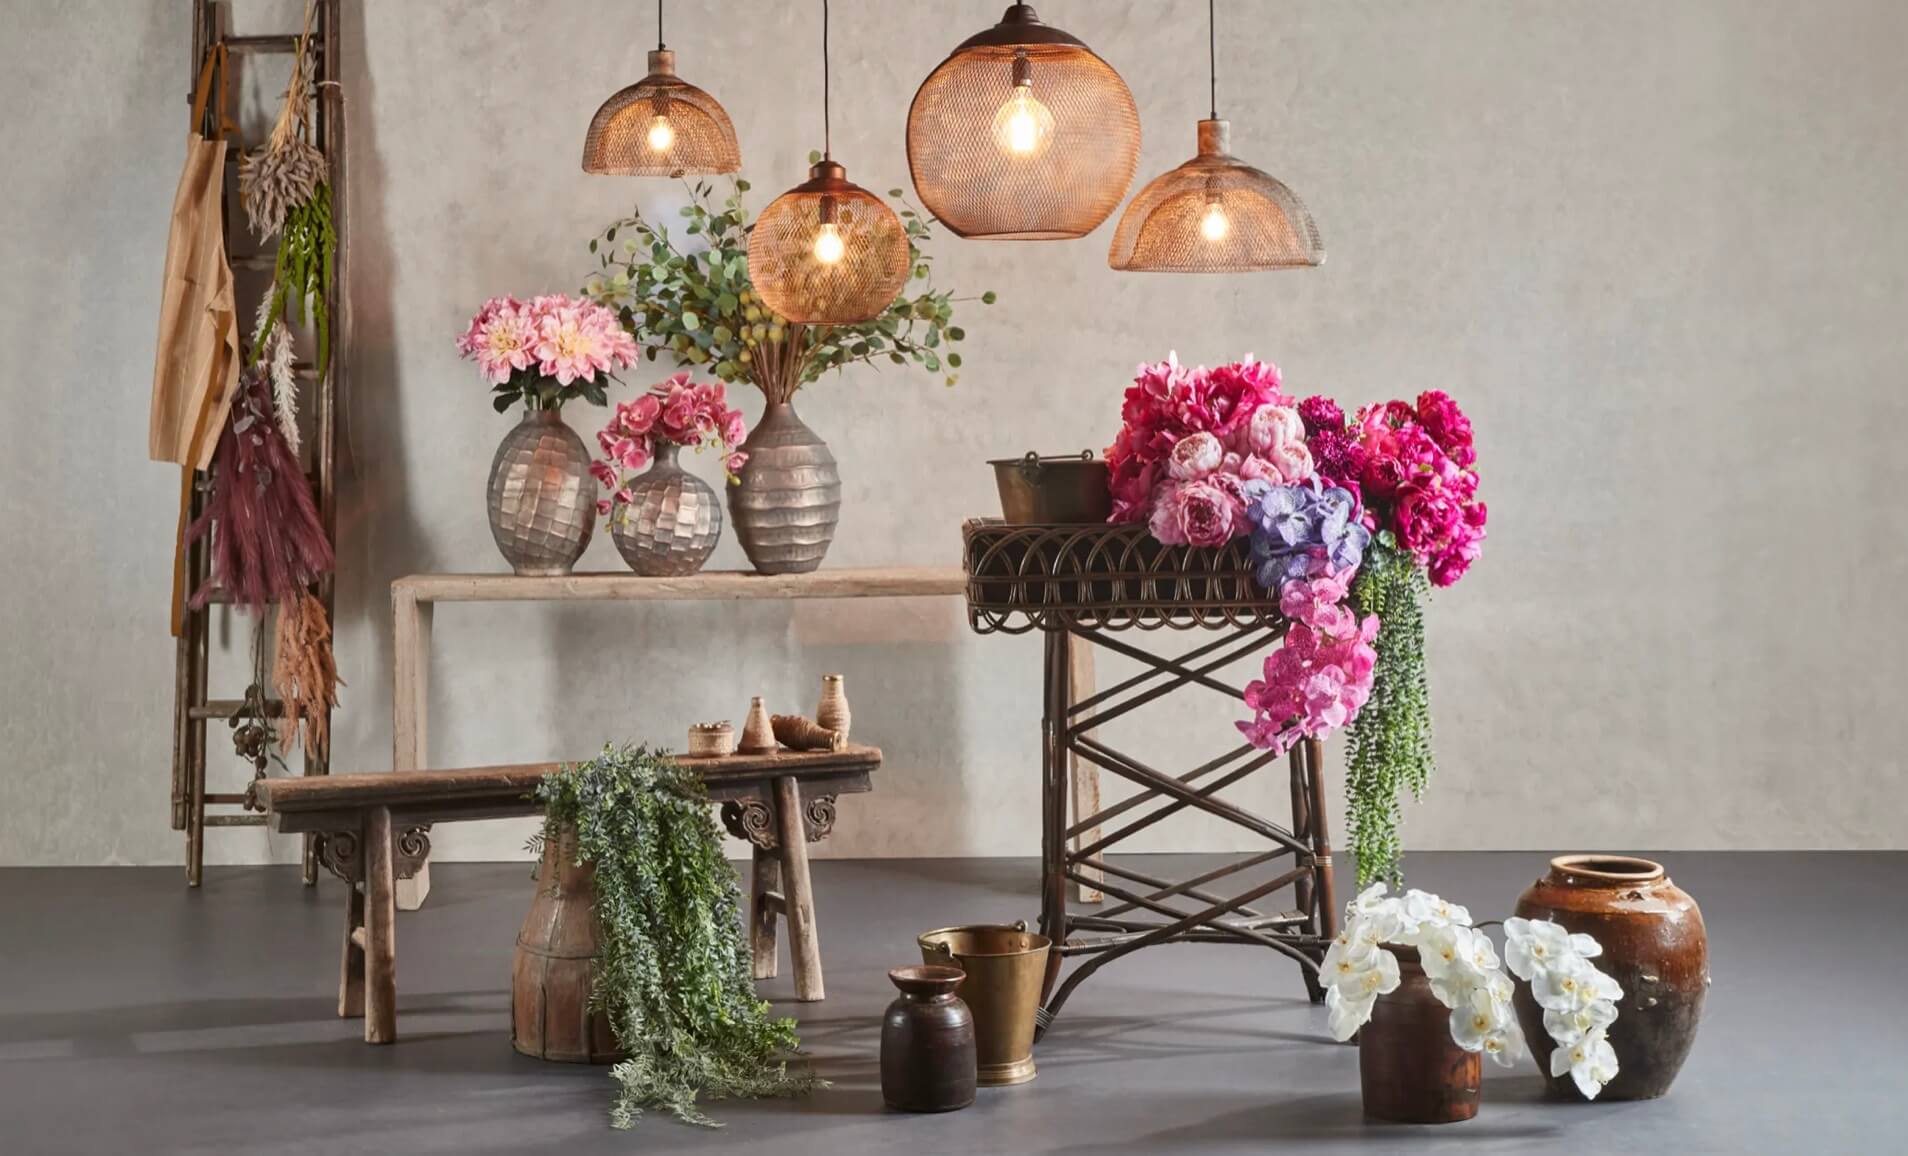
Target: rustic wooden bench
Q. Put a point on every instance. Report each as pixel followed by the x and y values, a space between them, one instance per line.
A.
pixel 374 829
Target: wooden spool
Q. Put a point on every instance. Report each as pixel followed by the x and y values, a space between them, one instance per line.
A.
pixel 550 977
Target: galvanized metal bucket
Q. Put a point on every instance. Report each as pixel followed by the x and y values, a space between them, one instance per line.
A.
pixel 1053 490
pixel 1005 967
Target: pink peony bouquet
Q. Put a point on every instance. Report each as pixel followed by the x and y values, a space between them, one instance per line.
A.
pixel 676 412
pixel 548 350
pixel 1349 522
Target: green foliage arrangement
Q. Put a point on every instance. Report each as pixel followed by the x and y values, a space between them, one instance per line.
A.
pixel 1388 746
pixel 697 306
pixel 303 273
pixel 674 977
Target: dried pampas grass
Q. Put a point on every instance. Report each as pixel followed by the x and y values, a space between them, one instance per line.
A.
pixel 283 175
pixel 279 359
pixel 304 673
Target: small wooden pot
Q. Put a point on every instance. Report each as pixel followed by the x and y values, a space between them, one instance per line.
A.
pixel 555 964
pixel 927 1042
pixel 1409 1069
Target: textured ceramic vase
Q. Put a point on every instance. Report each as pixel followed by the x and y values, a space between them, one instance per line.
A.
pixel 1410 1071
pixel 1654 945
pixel 927 1042
pixel 542 497
pixel 789 499
pixel 832 711
pixel 672 521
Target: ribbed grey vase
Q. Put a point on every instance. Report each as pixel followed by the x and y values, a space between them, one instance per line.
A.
pixel 542 497
pixel 671 522
pixel 789 500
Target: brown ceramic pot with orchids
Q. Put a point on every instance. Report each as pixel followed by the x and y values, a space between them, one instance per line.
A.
pixel 699 308
pixel 1654 945
pixel 1409 1069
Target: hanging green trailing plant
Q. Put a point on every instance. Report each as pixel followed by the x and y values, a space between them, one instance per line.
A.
pixel 674 976
pixel 1388 745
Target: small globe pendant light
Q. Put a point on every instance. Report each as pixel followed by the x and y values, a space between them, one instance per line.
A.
pixel 661 126
pixel 1215 213
pixel 1022 133
pixel 828 252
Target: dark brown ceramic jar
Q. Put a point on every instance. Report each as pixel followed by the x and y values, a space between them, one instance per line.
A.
pixel 927 1042
pixel 1653 944
pixel 1409 1069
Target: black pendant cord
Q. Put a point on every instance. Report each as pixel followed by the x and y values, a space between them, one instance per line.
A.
pixel 660 44
pixel 1212 53
pixel 827 141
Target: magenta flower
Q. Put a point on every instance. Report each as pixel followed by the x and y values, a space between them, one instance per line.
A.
pixel 675 411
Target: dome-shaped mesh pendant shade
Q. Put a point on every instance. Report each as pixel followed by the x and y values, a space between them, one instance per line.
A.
pixel 1215 214
pixel 828 252
pixel 1022 133
pixel 661 126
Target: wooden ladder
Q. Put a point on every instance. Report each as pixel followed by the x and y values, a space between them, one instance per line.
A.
pixel 193 805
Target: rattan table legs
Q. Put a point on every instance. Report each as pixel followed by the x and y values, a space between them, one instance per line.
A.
pixel 1148 910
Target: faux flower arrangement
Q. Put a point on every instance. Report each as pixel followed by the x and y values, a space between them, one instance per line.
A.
pixel 698 307
pixel 1462 965
pixel 1350 522
pixel 548 350
pixel 676 412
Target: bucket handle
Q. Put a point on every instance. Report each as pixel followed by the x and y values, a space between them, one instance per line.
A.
pixel 1030 467
pixel 941 946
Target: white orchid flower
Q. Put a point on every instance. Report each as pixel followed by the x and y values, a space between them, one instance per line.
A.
pixel 1367 899
pixel 1423 907
pixel 1591 1062
pixel 1379 977
pixel 1442 948
pixel 1533 945
pixel 1347 955
pixel 1345 1015
pixel 1506 1047
pixel 1477 1019
pixel 1585 946
pixel 1569 1028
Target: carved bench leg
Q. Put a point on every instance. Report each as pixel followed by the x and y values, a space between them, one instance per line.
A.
pixel 804 946
pixel 380 920
pixel 765 880
pixel 351 967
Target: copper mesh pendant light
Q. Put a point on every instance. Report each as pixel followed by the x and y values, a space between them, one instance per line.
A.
pixel 828 252
pixel 661 126
pixel 1022 133
pixel 1215 213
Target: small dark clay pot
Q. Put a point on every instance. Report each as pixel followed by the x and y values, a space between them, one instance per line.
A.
pixel 1409 1069
pixel 927 1042
pixel 1654 945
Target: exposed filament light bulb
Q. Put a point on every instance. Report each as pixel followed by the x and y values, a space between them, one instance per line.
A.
pixel 1214 225
pixel 661 134
pixel 1023 128
pixel 829 247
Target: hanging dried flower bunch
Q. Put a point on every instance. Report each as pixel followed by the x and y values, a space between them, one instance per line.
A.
pixel 304 673
pixel 273 346
pixel 284 174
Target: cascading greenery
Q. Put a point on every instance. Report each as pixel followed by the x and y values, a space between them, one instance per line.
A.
pixel 674 976
pixel 1388 746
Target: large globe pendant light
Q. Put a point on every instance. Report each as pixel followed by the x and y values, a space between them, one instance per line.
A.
pixel 1022 133
pixel 1215 213
pixel 828 252
pixel 661 126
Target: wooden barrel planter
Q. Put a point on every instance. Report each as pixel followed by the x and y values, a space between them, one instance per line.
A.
pixel 551 976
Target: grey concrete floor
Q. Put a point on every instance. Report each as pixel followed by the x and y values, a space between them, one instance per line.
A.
pixel 136 1016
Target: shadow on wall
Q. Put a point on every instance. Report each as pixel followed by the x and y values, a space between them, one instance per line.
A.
pixel 378 533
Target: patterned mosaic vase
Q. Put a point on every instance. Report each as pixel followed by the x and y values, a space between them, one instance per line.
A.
pixel 542 497
pixel 789 499
pixel 672 522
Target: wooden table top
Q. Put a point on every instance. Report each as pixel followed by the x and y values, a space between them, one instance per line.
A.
pixel 718 585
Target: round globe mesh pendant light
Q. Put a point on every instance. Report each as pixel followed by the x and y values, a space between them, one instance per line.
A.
pixel 661 126
pixel 1022 133
pixel 1215 213
pixel 828 252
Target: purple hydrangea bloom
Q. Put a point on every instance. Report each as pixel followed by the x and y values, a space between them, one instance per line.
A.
pixel 1303 530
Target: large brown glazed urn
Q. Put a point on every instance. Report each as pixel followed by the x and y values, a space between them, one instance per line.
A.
pixel 1654 945
pixel 1410 1071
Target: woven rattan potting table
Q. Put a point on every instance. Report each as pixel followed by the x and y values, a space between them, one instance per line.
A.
pixel 1082 585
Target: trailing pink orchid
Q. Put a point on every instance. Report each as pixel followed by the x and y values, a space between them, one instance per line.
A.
pixel 676 411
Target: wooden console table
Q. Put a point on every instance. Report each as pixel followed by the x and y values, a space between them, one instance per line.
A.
pixel 372 831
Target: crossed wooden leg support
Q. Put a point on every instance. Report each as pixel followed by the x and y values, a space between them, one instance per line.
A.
pixel 1152 910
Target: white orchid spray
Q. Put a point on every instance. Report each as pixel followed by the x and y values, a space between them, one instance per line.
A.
pixel 1466 975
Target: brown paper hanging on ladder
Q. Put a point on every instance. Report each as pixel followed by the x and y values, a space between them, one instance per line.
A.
pixel 196 366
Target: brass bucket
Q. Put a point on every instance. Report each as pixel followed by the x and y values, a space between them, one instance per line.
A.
pixel 1005 967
